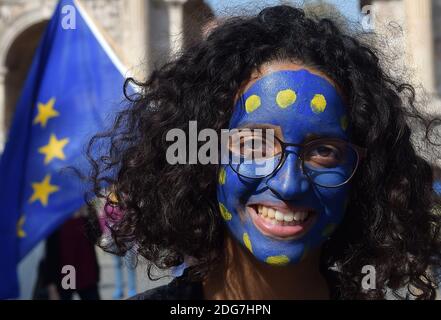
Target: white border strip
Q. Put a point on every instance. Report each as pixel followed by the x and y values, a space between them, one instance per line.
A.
pixel 113 57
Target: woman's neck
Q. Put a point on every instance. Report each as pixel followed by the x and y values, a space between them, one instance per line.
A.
pixel 241 276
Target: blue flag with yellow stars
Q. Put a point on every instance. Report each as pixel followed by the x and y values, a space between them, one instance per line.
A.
pixel 74 86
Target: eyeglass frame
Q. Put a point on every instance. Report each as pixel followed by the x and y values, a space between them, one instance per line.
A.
pixel 360 152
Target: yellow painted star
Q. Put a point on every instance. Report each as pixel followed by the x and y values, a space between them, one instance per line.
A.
pixel 20 232
pixel 54 149
pixel 42 190
pixel 45 112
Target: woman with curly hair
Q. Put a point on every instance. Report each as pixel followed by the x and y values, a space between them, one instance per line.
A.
pixel 341 188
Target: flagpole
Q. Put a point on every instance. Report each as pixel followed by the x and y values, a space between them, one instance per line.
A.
pixel 109 46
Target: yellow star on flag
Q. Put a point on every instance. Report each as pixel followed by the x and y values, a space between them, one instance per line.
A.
pixel 20 232
pixel 42 190
pixel 45 112
pixel 54 149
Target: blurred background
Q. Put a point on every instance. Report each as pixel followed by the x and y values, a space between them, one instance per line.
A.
pixel 145 33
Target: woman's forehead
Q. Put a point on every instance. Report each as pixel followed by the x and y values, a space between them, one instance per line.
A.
pixel 274 66
pixel 288 97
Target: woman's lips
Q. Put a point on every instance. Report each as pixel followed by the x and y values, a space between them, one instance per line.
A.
pixel 282 223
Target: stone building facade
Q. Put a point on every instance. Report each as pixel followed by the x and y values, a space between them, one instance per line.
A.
pixel 411 33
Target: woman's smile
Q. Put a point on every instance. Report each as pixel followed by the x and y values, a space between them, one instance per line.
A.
pixel 280 221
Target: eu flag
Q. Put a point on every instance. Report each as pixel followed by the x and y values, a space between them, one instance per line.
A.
pixel 75 83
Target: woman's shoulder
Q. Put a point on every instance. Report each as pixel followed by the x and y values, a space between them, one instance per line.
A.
pixel 178 289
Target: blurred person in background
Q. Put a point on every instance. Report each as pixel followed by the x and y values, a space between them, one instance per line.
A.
pixel 69 245
pixel 106 220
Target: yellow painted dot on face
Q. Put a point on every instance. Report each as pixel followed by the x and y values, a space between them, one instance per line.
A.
pixel 252 103
pixel 224 212
pixel 222 175
pixel 277 260
pixel 285 98
pixel 247 242
pixel 329 229
pixel 318 103
pixel 344 122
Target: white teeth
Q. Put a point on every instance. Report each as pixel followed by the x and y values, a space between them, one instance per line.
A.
pixel 289 217
pixel 276 217
pixel 271 213
pixel 279 216
pixel 300 216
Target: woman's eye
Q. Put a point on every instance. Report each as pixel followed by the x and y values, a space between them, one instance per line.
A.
pixel 324 156
pixel 325 151
pixel 256 148
pixel 254 145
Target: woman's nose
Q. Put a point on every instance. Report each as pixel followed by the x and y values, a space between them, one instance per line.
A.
pixel 289 182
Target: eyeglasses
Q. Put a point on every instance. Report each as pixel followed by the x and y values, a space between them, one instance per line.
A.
pixel 326 162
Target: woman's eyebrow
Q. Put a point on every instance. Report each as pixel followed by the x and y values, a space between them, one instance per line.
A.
pixel 315 136
pixel 252 126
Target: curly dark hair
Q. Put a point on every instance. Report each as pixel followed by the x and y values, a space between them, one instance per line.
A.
pixel 171 211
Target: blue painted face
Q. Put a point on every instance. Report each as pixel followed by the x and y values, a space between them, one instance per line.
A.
pixel 281 217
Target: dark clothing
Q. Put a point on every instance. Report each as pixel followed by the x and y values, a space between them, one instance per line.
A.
pixel 69 245
pixel 76 250
pixel 182 289
pixel 178 289
pixel 91 293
